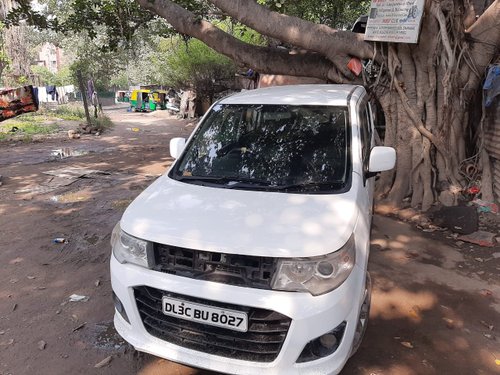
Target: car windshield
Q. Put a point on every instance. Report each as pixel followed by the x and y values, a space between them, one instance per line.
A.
pixel 270 147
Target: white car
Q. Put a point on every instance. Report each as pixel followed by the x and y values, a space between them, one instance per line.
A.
pixel 250 255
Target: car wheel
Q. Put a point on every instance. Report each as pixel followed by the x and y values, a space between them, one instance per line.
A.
pixel 363 316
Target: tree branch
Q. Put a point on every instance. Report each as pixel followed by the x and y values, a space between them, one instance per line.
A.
pixel 315 37
pixel 484 36
pixel 262 59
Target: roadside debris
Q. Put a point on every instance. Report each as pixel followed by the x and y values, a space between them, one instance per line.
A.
pixel 487 325
pixel 42 344
pixel 79 327
pixel 459 219
pixel 483 206
pixel 486 292
pixel 73 134
pixel 106 361
pixel 89 129
pixel 14 307
pixel 481 238
pixel 450 323
pixel 412 254
pixel 136 130
pixel 1 182
pixel 60 178
pixel 97 283
pixel 74 172
pixel 7 342
pixel 407 344
pixel 66 152
pixel 78 298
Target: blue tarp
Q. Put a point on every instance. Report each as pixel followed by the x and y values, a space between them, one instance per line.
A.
pixel 492 84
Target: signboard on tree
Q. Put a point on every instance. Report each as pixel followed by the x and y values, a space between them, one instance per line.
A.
pixel 395 21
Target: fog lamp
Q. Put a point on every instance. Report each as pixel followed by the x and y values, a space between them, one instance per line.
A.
pixel 324 345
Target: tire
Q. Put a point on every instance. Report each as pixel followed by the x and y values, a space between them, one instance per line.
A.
pixel 363 316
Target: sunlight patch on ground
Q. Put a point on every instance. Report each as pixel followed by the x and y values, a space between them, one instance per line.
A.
pixel 16 260
pixel 392 370
pixel 399 303
pixel 161 367
pixel 72 197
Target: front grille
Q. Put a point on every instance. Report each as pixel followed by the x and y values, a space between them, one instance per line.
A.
pixel 262 342
pixel 231 269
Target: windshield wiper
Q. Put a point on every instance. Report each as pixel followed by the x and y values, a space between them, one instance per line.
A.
pixel 315 186
pixel 228 182
pixel 199 178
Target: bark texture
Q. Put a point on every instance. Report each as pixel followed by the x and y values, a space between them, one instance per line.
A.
pixel 425 89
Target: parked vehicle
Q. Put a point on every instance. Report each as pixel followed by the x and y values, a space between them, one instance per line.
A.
pixel 160 98
pixel 250 255
pixel 142 101
pixel 122 96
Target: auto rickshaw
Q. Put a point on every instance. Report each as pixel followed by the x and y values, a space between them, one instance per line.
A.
pixel 122 96
pixel 160 98
pixel 142 101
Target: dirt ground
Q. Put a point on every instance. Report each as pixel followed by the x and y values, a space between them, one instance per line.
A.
pixel 436 301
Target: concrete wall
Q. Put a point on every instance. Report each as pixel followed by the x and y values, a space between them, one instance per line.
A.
pixel 267 80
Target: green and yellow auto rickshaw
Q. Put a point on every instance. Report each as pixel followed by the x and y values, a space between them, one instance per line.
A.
pixel 160 98
pixel 142 101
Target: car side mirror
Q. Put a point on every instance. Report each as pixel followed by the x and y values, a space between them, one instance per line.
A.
pixel 381 159
pixel 177 146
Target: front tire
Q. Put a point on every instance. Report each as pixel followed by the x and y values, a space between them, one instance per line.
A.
pixel 363 316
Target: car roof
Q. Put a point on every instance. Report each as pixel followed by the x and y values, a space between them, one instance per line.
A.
pixel 298 95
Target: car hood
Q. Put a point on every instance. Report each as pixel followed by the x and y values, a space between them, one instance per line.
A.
pixel 242 222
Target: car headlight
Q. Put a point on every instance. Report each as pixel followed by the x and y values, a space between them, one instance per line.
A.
pixel 318 275
pixel 128 249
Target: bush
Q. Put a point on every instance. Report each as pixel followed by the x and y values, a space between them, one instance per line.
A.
pixel 197 65
pixel 73 111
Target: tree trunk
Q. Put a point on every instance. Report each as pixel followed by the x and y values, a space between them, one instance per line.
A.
pixel 83 90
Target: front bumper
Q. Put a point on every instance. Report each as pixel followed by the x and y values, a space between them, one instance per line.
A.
pixel 311 318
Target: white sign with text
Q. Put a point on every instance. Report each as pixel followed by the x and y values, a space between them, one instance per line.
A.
pixel 395 21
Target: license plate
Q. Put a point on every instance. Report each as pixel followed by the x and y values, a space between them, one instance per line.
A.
pixel 214 316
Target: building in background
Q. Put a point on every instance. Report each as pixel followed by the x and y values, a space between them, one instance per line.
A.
pixel 50 56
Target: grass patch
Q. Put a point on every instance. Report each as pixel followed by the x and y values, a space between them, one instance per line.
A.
pixel 26 126
pixel 71 112
pixel 102 123
pixel 42 122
